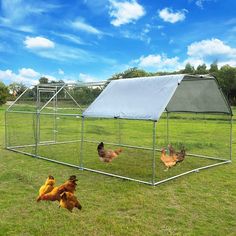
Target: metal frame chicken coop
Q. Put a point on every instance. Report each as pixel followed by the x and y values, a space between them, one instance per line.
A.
pixel 167 95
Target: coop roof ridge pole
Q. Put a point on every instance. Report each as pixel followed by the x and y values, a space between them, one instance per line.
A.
pixel 95 83
pixel 52 97
pixel 17 99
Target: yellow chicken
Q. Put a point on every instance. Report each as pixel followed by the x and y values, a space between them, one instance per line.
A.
pixel 69 201
pixel 47 187
pixel 54 195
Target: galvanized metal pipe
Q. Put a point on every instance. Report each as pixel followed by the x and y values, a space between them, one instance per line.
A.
pixel 167 127
pixel 74 100
pixel 191 171
pixel 81 144
pixel 6 131
pixel 117 176
pixel 47 143
pixel 52 97
pixel 17 99
pixel 231 137
pixel 37 133
pixel 154 153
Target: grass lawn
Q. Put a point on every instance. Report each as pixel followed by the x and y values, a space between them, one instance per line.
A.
pixel 197 204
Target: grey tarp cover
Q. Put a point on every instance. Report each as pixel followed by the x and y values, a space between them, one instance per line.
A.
pixel 146 98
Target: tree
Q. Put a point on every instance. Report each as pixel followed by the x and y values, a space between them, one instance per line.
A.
pixel 227 80
pixel 16 88
pixel 214 68
pixel 43 80
pixel 201 69
pixel 130 73
pixel 3 93
pixel 189 69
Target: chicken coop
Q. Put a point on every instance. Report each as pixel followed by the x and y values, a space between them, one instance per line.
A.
pixel 64 124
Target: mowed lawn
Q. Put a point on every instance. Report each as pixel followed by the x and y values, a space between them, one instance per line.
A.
pixel 197 204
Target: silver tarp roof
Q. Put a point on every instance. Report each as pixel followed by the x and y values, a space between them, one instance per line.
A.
pixel 146 98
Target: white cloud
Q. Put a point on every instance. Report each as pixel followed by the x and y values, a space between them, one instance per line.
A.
pixel 21 77
pixel 125 12
pixel 87 78
pixel 28 72
pixel 158 62
pixel 80 24
pixel 30 77
pixel 38 42
pixel 198 53
pixel 168 15
pixel 211 48
pixel 61 72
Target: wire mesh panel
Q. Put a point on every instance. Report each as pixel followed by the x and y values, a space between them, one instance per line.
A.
pixel 134 140
pixel 45 121
pixel 204 134
pixel 20 131
pixel 205 137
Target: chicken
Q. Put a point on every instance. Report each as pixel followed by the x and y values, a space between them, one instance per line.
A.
pixel 178 156
pixel 107 155
pixel 47 187
pixel 166 159
pixel 69 201
pixel 181 155
pixel 171 150
pixel 54 195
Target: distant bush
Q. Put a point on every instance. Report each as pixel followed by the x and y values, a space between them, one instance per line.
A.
pixel 3 93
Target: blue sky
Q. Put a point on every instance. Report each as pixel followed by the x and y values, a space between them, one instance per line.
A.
pixel 90 40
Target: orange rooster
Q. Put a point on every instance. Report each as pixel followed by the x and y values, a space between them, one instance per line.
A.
pixel 54 195
pixel 107 155
pixel 47 187
pixel 69 201
pixel 166 159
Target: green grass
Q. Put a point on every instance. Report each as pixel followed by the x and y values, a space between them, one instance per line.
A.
pixel 197 204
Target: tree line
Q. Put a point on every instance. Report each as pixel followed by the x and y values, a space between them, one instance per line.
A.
pixel 226 76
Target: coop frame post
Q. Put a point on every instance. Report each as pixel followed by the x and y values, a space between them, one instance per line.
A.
pixel 167 127
pixel 55 117
pixel 231 137
pixel 37 124
pixel 81 144
pixel 119 131
pixel 6 131
pixel 154 152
